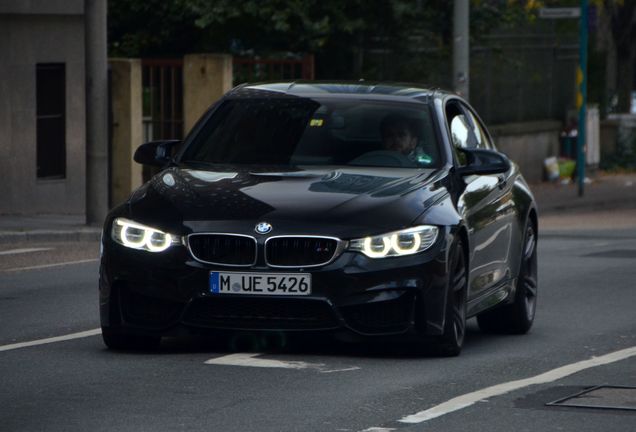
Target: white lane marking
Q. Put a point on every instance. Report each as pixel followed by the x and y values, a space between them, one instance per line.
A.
pixel 251 360
pixel 379 429
pixel 340 370
pixel 71 336
pixel 23 250
pixel 43 266
pixel 469 399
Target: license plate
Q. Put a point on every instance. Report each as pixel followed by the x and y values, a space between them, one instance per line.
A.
pixel 288 284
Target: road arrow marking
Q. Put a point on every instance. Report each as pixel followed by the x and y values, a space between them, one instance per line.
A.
pixel 379 429
pixel 252 360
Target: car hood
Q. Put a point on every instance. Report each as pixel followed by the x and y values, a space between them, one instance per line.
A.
pixel 336 200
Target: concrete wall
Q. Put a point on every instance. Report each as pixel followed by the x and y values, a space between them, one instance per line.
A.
pixel 528 144
pixel 206 77
pixel 618 137
pixel 126 85
pixel 42 7
pixel 609 136
pixel 27 38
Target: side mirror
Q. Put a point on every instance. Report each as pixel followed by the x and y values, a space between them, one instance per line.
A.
pixel 155 153
pixel 483 162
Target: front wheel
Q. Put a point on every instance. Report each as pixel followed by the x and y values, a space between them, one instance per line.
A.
pixel 450 343
pixel 517 318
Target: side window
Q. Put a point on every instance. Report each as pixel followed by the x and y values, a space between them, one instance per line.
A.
pixel 480 133
pixel 459 130
pixel 466 130
pixel 464 133
pixel 456 125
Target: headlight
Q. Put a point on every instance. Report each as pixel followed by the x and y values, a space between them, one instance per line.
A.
pixel 398 243
pixel 137 236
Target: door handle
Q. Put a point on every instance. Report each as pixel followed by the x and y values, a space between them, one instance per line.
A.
pixel 502 182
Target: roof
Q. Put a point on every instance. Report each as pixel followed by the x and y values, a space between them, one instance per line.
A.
pixel 318 88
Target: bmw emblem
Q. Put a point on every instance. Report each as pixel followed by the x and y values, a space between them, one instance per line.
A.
pixel 263 228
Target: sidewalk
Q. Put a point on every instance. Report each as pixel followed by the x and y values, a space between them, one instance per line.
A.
pixel 606 194
pixel 609 202
pixel 46 228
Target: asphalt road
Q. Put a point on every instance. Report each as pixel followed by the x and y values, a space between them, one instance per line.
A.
pixel 586 309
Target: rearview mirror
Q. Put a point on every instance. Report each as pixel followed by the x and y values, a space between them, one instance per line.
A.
pixel 155 153
pixel 483 162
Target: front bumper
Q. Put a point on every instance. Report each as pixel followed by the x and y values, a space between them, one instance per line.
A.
pixel 163 293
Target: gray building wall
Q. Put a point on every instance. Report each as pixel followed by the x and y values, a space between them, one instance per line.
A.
pixel 32 32
pixel 528 144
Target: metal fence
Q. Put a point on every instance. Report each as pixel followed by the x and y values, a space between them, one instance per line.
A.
pixel 513 78
pixel 523 78
pixel 257 69
pixel 162 96
pixel 162 88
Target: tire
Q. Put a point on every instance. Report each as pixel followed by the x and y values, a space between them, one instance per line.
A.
pixel 450 343
pixel 518 317
pixel 117 340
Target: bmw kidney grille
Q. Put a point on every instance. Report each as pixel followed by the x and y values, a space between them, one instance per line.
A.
pixel 223 249
pixel 280 251
pixel 300 251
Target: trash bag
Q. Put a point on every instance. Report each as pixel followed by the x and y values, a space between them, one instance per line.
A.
pixel 551 165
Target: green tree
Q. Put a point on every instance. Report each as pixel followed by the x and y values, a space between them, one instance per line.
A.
pixel 338 32
pixel 150 28
pixel 619 17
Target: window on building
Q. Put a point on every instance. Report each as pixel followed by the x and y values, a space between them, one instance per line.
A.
pixel 50 88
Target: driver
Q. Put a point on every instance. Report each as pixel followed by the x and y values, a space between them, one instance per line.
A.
pixel 398 134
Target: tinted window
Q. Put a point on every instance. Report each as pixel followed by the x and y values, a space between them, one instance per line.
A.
pixel 480 134
pixel 302 131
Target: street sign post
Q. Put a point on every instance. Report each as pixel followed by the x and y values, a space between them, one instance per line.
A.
pixel 581 97
pixel 581 78
pixel 559 12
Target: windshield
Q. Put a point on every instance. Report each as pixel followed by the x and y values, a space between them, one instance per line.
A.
pixel 302 131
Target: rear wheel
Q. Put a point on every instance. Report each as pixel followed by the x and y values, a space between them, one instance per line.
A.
pixel 450 343
pixel 517 318
pixel 117 340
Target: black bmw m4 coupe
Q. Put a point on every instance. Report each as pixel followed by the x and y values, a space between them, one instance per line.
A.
pixel 372 209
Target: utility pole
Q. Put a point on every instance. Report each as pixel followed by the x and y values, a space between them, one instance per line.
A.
pixel 581 98
pixel 580 12
pixel 461 52
pixel 96 111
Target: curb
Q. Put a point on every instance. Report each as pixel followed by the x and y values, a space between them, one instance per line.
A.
pixel 81 235
pixel 585 207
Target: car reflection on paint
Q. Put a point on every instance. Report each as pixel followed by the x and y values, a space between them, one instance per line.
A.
pixel 366 209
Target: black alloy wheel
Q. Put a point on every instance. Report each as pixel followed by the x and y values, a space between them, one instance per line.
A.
pixel 450 343
pixel 517 318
